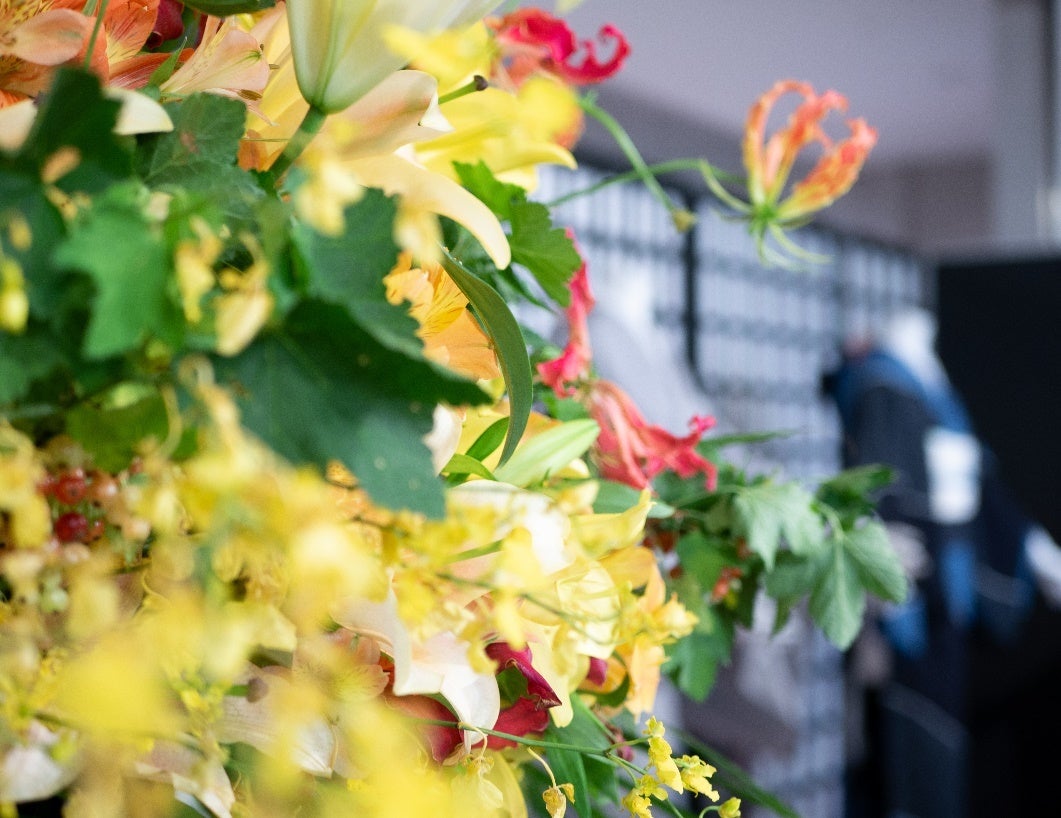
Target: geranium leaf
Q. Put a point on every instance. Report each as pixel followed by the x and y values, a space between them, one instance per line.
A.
pixel 348 270
pixel 322 388
pixel 767 511
pixel 545 250
pixel 838 601
pixel 503 329
pixel 23 198
pixel 199 155
pixel 878 565
pixel 130 264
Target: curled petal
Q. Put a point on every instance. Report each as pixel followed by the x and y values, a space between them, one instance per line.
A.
pixel 49 38
pixel 834 174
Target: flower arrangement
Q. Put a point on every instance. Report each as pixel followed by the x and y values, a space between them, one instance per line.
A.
pixel 293 517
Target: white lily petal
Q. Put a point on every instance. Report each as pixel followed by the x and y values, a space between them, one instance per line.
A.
pixel 16 121
pixel 426 190
pixel 139 113
pixel 403 108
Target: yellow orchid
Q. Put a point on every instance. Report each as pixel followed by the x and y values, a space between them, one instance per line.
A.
pixel 339 47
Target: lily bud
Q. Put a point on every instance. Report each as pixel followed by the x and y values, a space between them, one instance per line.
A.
pixel 339 47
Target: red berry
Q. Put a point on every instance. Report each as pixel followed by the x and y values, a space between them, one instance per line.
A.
pixel 71 527
pixel 71 487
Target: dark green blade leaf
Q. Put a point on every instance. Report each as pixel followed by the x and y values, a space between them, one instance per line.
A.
pixel 504 332
pixel 486 444
pixel 325 389
pixel 461 464
pixel 222 8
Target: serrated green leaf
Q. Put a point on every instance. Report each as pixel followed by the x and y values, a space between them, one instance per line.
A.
pixel 199 156
pixel 545 250
pixel 879 568
pixel 838 602
pixel 547 452
pixel 129 263
pixel 112 434
pixel 348 270
pixel 693 661
pixel 768 511
pixel 504 332
pixel 482 183
pixel 701 558
pixel 322 388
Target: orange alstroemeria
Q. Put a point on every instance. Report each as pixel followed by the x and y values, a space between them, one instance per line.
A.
pixel 769 161
pixel 35 37
pixel 451 336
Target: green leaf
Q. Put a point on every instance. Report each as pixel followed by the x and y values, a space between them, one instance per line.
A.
pixel 23 360
pixel 504 332
pixel 614 497
pixel 693 661
pixel 702 558
pixel 546 251
pixel 838 602
pixel 322 388
pixel 590 774
pixel 547 452
pixel 482 183
pixel 199 156
pixel 492 437
pixel 223 8
pixel 23 198
pixel 75 124
pixel 112 428
pixel 460 464
pixel 126 257
pixel 769 510
pixel 348 270
pixel 879 569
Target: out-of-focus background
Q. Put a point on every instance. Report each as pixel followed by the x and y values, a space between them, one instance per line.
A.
pixel 957 213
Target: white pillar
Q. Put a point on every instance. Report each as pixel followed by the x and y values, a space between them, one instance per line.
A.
pixel 1024 179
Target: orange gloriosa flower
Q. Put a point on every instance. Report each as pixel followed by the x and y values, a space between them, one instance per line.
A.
pixel 769 161
pixel 628 449
pixel 531 40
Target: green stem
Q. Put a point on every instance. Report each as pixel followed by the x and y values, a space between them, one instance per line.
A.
pixel 641 170
pixel 658 169
pixel 307 129
pixel 478 83
pixel 95 30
